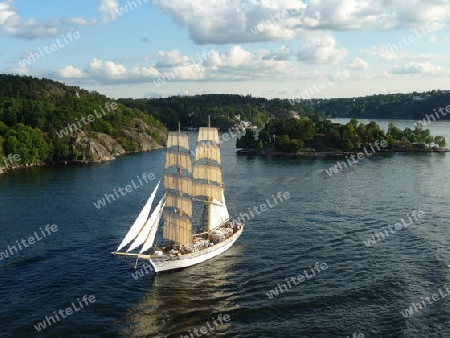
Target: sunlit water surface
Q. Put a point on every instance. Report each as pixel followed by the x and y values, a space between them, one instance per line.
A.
pixel 325 220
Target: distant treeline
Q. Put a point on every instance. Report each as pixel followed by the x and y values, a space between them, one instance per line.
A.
pixel 193 111
pixel 390 106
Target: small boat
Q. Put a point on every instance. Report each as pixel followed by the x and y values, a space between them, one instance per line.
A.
pixel 188 180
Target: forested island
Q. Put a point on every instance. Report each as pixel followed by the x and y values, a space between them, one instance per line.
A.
pixel 306 137
pixel 43 121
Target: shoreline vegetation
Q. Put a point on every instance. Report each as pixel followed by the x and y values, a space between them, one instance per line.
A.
pixel 45 122
pixel 303 137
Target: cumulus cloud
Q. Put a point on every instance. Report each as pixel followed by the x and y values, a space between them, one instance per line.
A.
pixel 284 54
pixel 104 71
pixel 359 63
pixel 235 63
pixel 322 50
pixel 109 10
pixel 12 24
pixel 239 21
pixel 218 21
pixel 70 72
pixel 240 64
pixel 172 58
pixel 425 68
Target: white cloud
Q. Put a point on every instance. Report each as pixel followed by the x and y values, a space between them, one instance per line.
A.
pixel 70 72
pixel 80 21
pixel 393 53
pixel 424 68
pixel 218 21
pixel 235 64
pixel 109 10
pixel 103 71
pixel 172 58
pixel 322 50
pixel 106 69
pixel 359 63
pixel 239 64
pixel 188 72
pixel 13 25
pixel 237 21
pixel 284 54
pixel 144 72
pixel 385 74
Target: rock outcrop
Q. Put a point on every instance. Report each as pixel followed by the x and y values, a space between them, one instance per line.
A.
pixel 90 146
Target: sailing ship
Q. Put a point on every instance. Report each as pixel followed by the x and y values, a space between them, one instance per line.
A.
pixel 188 180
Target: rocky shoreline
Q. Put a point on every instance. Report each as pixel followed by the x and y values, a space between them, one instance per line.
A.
pixel 95 147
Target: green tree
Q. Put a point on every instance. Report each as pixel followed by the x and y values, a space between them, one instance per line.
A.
pixel 28 143
pixel 440 141
pixel 264 136
pixel 394 132
pixel 285 144
pixel 248 141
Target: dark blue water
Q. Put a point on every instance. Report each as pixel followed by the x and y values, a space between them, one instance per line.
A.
pixel 325 220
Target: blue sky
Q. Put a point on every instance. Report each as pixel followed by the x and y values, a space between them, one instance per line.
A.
pixel 268 48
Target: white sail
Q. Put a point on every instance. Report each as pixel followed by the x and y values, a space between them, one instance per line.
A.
pixel 207 172
pixel 142 237
pixel 177 228
pixel 208 151
pixel 181 160
pixel 208 134
pixel 140 221
pixel 208 190
pixel 178 139
pixel 154 221
pixel 219 213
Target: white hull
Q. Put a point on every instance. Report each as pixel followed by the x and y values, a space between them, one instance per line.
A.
pixel 163 263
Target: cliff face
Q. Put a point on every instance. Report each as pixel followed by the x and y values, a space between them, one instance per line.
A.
pixel 93 146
